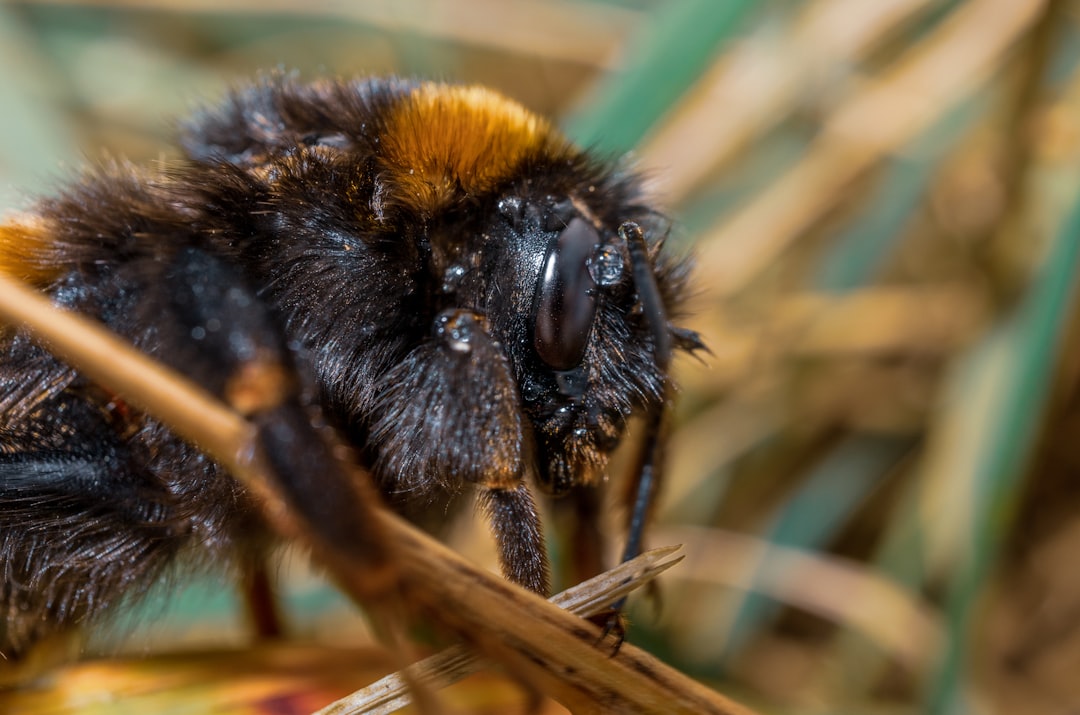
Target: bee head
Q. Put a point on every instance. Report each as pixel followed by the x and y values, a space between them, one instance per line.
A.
pixel 470 205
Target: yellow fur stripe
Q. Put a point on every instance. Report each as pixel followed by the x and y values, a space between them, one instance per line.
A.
pixel 444 140
pixel 27 250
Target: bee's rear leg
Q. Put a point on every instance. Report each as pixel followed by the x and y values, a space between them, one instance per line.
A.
pixel 208 325
pixel 261 600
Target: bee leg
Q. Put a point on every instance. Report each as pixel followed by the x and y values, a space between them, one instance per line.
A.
pixel 263 609
pixel 580 517
pixel 213 329
pixel 448 416
pixel 642 497
pixel 520 539
pixel 646 483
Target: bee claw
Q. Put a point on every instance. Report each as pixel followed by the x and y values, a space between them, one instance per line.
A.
pixel 612 624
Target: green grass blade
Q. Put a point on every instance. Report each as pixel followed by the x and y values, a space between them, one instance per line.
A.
pixel 811 517
pixel 1013 369
pixel 860 251
pixel 680 41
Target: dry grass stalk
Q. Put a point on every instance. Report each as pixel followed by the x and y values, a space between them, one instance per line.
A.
pixel 451 665
pixel 838 589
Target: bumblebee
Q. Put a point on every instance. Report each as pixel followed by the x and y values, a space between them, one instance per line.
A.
pixel 468 300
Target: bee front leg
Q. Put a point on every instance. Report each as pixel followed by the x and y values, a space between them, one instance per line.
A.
pixel 520 539
pixel 449 415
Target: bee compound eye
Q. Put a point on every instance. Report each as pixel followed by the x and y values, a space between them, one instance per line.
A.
pixel 565 304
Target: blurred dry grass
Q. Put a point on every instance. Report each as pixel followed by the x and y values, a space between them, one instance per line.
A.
pixel 874 473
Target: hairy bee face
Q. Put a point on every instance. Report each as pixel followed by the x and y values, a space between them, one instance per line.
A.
pixel 445 270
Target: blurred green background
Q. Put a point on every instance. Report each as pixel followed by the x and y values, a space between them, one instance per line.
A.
pixel 874 473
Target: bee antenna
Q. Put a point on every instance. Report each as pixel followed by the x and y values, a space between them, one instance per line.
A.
pixel 648 292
